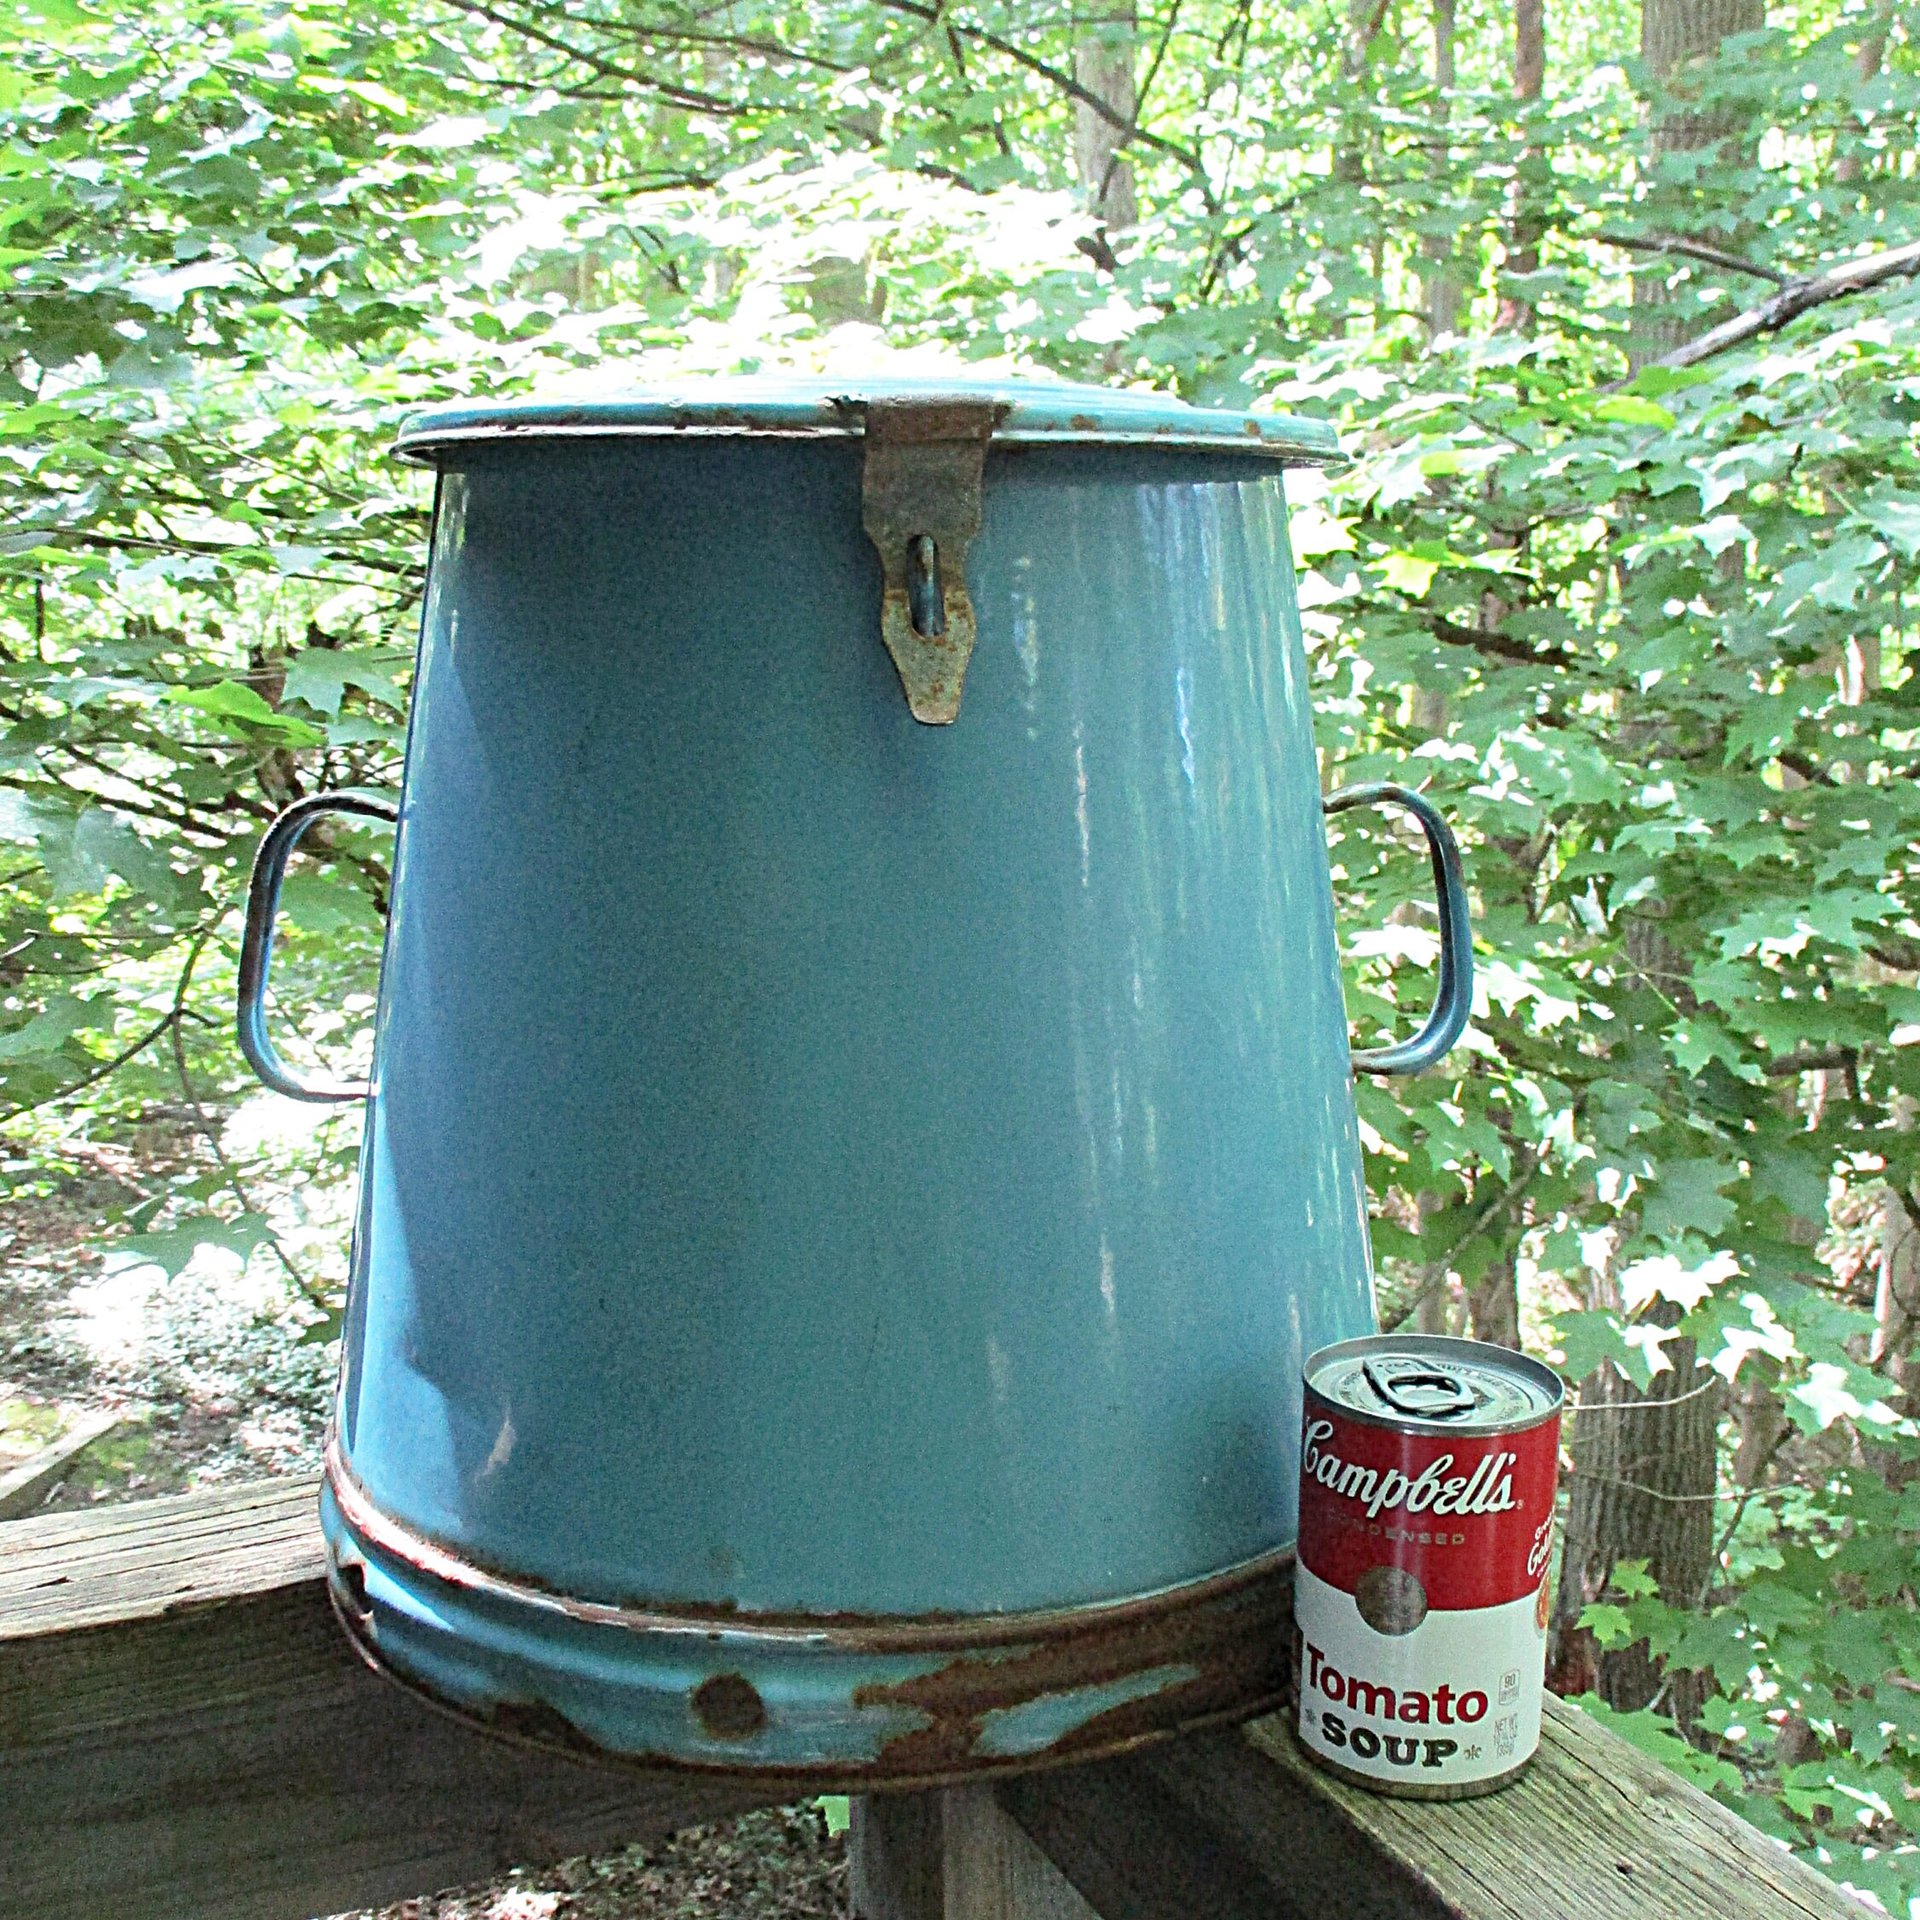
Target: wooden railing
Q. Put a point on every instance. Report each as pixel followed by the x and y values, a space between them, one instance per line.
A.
pixel 184 1732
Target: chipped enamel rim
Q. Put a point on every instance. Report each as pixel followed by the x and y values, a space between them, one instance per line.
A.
pixel 842 1701
pixel 852 1634
pixel 1035 413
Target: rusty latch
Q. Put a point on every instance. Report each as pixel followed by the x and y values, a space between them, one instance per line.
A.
pixel 921 508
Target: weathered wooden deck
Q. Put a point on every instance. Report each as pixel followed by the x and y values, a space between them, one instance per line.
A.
pixel 184 1732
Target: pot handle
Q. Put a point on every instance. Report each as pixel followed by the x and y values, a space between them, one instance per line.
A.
pixel 256 944
pixel 1454 1000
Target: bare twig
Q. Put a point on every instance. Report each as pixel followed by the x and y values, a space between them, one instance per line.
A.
pixel 1747 1493
pixel 1812 773
pixel 100 1072
pixel 1635 1486
pixel 1068 85
pixel 651 33
pixel 674 94
pixel 218 549
pixel 211 1134
pixel 1362 35
pixel 1693 250
pixel 1645 1406
pixel 1434 1275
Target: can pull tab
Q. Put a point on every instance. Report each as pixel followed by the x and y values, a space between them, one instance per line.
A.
pixel 920 505
pixel 1418 1389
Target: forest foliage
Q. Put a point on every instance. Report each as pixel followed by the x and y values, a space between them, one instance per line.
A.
pixel 1647 628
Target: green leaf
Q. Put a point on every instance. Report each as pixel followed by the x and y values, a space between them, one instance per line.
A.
pixel 1795 1175
pixel 325 902
pixel 1763 725
pixel 1855 1646
pixel 172 1248
pixel 1631 1578
pixel 82 852
pixel 230 700
pixel 1608 1624
pixel 1685 1198
pixel 320 676
pixel 1590 1337
pixel 1409 574
pixel 45 1035
pixel 1656 380
pixel 1633 410
pixel 1896 515
pixel 1837 1389
pixel 1654 1735
pixel 1771 1605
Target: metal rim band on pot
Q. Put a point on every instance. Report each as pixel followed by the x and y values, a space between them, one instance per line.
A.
pixel 916 1700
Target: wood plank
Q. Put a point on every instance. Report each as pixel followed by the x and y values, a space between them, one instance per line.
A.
pixel 138 1560
pixel 951 1854
pixel 24 1487
pixel 1241 1823
pixel 185 1733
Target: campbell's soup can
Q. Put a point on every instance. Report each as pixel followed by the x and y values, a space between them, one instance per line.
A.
pixel 1427 1473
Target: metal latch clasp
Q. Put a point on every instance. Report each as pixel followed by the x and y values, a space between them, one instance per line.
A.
pixel 920 505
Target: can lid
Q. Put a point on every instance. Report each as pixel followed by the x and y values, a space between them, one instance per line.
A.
pixel 1030 411
pixel 1434 1383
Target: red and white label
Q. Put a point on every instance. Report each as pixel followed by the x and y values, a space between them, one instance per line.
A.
pixel 1420 1596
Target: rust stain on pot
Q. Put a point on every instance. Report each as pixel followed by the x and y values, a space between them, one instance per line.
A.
pixel 1231 1637
pixel 729 1707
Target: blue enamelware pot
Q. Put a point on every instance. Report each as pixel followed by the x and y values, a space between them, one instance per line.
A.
pixel 861 1136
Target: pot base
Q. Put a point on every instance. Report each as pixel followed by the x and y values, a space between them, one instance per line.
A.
pixel 863 1703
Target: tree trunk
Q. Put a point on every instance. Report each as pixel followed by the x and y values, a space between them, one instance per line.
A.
pixel 1430 1310
pixel 1103 56
pixel 1673 33
pixel 1758 1422
pixel 1529 48
pixel 1866 62
pixel 1642 1489
pixel 1444 285
pixel 1493 1304
pixel 1528 219
pixel 1896 1298
pixel 1644 1464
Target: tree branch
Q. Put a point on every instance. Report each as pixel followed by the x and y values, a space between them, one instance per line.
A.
pixel 1811 1060
pixel 1636 1486
pixel 100 1072
pixel 650 33
pixel 1808 770
pixel 1066 84
pixel 1434 1274
pixel 211 1134
pixel 1796 298
pixel 691 98
pixel 1694 250
pixel 1497 644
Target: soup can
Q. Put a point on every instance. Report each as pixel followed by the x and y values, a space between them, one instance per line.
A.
pixel 1427 1476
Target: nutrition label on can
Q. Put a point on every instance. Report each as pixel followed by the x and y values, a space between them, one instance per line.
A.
pixel 1426 1531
